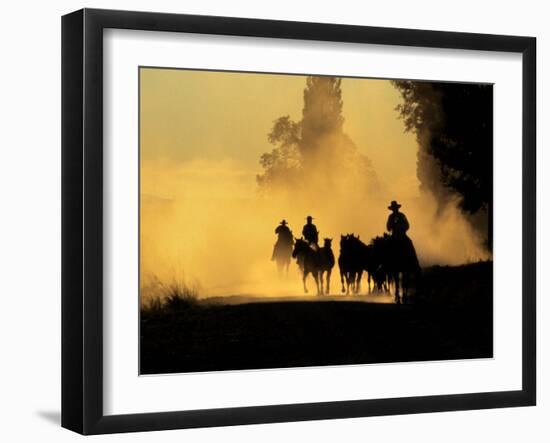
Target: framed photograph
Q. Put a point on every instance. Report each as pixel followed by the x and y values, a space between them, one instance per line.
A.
pixel 268 221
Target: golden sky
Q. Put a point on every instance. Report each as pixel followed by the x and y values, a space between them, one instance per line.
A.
pixel 188 115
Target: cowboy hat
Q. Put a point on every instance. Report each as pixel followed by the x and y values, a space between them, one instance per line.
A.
pixel 284 222
pixel 309 217
pixel 394 205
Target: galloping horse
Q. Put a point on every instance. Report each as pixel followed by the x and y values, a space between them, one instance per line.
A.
pixel 350 262
pixel 327 263
pixel 365 262
pixel 310 261
pixel 398 263
pixel 380 263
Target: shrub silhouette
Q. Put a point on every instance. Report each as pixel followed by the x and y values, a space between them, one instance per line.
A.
pixel 176 298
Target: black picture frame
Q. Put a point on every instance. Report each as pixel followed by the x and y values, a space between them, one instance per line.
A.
pixel 82 219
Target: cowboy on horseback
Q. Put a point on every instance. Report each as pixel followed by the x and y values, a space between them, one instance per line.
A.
pixel 283 231
pixel 397 224
pixel 310 232
pixel 402 254
pixel 285 240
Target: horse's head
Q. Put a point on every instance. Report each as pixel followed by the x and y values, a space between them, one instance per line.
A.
pixel 376 243
pixel 327 243
pixel 300 246
pixel 344 239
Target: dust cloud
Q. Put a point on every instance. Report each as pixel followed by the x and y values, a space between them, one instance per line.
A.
pixel 209 224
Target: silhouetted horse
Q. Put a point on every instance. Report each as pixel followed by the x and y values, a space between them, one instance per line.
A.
pixel 310 261
pixel 351 262
pixel 362 260
pixel 380 263
pixel 366 263
pixel 395 262
pixel 326 264
pixel 371 267
pixel 282 252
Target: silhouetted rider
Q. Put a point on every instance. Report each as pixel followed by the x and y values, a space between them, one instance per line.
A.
pixel 397 223
pixel 285 240
pixel 402 253
pixel 284 233
pixel 310 232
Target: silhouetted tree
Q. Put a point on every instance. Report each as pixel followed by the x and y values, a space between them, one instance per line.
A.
pixel 454 127
pixel 316 140
pixel 322 112
pixel 282 164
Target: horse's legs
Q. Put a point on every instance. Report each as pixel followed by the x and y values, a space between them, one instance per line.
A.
pixel 358 284
pixel 320 283
pixel 317 277
pixel 329 271
pixel 304 276
pixel 342 281
pixel 397 297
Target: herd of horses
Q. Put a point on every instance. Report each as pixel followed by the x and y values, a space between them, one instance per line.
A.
pixel 388 262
